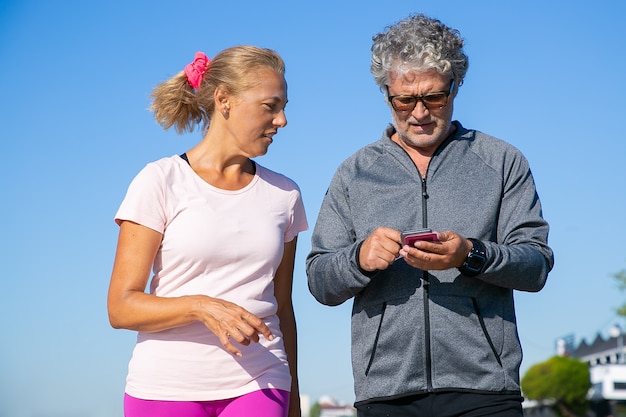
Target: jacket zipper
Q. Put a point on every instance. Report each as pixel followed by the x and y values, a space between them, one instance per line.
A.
pixel 426 285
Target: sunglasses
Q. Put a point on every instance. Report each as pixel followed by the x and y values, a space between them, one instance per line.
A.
pixel 432 101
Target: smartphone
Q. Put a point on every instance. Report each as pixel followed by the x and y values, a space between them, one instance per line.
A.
pixel 410 237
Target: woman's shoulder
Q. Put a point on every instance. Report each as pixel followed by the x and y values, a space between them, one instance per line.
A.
pixel 167 163
pixel 164 167
pixel 275 178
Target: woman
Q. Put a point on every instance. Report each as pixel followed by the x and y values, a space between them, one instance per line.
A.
pixel 217 333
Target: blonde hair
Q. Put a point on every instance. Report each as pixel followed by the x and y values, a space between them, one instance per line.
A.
pixel 176 103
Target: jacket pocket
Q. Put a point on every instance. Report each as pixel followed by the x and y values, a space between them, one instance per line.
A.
pixel 380 314
pixel 375 343
pixel 388 349
pixel 466 343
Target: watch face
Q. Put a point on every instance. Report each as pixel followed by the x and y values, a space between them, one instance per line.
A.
pixel 475 262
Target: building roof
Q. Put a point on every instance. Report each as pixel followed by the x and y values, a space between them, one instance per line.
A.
pixel 598 345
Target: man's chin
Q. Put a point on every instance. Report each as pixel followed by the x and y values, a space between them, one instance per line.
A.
pixel 422 141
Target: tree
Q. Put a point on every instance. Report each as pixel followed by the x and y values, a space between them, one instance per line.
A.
pixel 316 410
pixel 621 283
pixel 560 379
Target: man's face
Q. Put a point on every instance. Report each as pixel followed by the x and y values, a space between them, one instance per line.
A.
pixel 422 128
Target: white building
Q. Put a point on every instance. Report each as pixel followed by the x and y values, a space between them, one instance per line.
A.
pixel 330 408
pixel 607 370
pixel 607 367
pixel 608 382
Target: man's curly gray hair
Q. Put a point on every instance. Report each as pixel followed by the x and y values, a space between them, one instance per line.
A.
pixel 418 43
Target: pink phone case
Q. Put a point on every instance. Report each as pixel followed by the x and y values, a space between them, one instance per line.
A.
pixel 410 239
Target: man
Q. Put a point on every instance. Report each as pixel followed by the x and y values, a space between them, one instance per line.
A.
pixel 433 323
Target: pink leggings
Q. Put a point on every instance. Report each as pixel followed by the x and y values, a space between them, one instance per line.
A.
pixel 263 403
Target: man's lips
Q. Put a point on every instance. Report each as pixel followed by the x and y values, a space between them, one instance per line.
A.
pixel 421 126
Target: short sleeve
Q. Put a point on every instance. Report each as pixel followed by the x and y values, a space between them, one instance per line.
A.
pixel 298 217
pixel 144 202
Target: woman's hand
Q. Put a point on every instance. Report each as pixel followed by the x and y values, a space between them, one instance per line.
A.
pixel 230 321
pixel 131 308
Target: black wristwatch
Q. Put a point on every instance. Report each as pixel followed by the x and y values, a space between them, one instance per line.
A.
pixel 476 259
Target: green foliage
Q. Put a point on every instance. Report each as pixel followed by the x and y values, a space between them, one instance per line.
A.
pixel 620 277
pixel 316 410
pixel 561 379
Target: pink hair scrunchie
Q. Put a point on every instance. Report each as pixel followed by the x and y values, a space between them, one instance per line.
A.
pixel 195 71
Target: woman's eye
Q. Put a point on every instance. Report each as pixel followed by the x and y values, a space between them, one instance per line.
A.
pixel 275 106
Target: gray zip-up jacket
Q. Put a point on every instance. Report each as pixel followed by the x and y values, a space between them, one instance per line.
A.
pixel 417 331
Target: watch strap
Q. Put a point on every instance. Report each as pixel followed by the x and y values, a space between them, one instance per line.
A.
pixel 476 259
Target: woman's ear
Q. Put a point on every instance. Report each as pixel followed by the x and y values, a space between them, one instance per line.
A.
pixel 222 98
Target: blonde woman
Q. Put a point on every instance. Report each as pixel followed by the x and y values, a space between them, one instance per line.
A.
pixel 214 235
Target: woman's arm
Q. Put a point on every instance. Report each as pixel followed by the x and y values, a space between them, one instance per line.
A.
pixel 131 308
pixel 283 284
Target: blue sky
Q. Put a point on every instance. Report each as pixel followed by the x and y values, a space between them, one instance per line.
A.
pixel 74 86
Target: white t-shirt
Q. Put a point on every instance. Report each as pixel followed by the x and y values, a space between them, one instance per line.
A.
pixel 225 244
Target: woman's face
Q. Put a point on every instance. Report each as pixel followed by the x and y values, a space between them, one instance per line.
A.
pixel 256 115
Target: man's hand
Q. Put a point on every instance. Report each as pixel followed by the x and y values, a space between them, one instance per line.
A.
pixel 380 249
pixel 450 252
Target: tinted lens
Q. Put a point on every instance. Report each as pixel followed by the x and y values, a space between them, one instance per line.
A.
pixel 435 100
pixel 403 103
pixel 430 101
